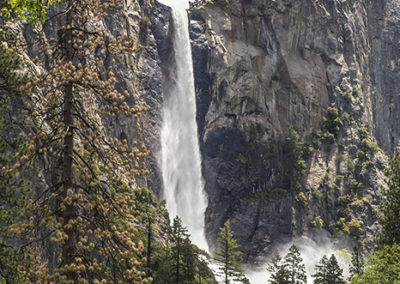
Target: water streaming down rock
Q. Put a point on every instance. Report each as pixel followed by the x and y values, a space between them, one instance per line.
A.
pixel 180 156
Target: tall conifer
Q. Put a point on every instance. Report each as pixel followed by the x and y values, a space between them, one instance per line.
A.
pixel 391 206
pixel 85 215
pixel 228 256
pixel 295 266
pixel 328 271
pixel 357 262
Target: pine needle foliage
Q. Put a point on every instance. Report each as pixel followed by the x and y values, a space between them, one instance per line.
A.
pixel 357 262
pixel 86 218
pixel 328 271
pixel 391 206
pixel 279 274
pixel 228 256
pixel 293 158
pixel 295 266
pixel 15 225
pixel 181 262
pixel 321 270
pixel 288 270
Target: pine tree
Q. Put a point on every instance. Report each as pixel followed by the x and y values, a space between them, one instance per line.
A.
pixel 391 206
pixel 150 211
pixel 279 273
pixel 295 267
pixel 228 255
pixel 334 272
pixel 188 260
pixel 294 162
pixel 86 217
pixel 320 276
pixel 357 262
pixel 182 262
pixel 179 235
pixel 328 271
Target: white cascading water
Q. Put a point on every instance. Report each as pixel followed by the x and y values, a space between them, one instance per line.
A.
pixel 180 154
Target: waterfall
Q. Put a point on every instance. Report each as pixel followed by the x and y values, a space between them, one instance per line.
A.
pixel 180 154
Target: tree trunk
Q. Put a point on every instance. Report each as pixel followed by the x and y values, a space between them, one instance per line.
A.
pixel 226 261
pixel 178 262
pixel 68 247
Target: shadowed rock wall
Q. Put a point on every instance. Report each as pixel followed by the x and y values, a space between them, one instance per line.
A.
pixel 262 66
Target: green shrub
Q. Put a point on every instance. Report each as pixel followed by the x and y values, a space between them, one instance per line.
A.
pixel 241 159
pixel 333 113
pixel 317 137
pixel 302 199
pixel 367 164
pixel 325 179
pixel 343 200
pixel 360 155
pixel 308 150
pixel 369 145
pixel 260 129
pixel 355 228
pixel 342 226
pixel 356 185
pixel 332 121
pixel 267 197
pixel 355 91
pixel 329 138
pixel 350 164
pixel 346 117
pixel 317 194
pixel 317 222
pixel 341 145
pixel 363 133
pixel 347 96
pixel 145 21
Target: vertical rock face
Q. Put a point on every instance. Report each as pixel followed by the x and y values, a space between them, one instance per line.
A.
pixel 156 45
pixel 264 66
pixel 384 63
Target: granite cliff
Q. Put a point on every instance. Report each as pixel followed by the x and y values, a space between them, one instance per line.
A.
pixel 321 73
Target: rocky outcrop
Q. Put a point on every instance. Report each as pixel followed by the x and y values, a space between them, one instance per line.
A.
pixel 327 68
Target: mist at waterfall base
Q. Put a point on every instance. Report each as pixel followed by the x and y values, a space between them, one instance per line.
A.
pixel 311 251
pixel 180 153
